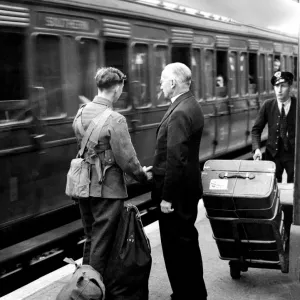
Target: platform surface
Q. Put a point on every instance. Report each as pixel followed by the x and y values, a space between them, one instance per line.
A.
pixel 255 284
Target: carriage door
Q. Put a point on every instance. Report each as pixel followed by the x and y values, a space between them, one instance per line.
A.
pixel 220 85
pixel 17 151
pixel 49 80
pixel 203 77
pixel 253 103
pixel 238 102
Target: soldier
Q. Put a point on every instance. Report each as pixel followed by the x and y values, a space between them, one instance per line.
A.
pixel 110 159
pixel 276 65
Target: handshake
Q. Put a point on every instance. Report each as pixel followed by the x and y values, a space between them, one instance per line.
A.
pixel 148 172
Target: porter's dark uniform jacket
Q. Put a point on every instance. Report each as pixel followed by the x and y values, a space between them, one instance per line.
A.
pixel 269 113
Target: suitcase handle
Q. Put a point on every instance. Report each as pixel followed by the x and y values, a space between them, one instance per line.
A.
pixel 236 175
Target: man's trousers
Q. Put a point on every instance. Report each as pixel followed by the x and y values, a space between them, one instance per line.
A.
pixel 100 218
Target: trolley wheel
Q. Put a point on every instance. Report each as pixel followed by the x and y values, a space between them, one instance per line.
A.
pixel 235 270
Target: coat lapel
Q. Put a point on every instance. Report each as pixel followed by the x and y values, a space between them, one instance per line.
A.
pixel 172 107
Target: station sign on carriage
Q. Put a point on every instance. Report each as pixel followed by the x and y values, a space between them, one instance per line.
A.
pixel 66 23
pixel 266 47
pixel 204 40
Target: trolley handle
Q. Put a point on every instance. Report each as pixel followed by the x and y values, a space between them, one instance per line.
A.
pixel 236 175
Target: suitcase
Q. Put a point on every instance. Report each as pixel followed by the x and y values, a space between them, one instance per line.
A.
pixel 242 204
pixel 240 189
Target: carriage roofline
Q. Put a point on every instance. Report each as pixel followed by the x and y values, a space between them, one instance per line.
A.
pixel 154 10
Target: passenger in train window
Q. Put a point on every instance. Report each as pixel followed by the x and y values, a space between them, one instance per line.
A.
pixel 113 156
pixel 177 185
pixel 220 81
pixel 276 65
pixel 251 79
pixel 280 114
pixel 221 90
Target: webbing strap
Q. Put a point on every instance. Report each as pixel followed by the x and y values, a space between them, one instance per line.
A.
pixel 98 122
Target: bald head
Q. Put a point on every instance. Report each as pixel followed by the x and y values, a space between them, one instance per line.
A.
pixel 180 72
pixel 175 80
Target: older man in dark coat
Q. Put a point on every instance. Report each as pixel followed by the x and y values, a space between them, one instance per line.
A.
pixel 177 183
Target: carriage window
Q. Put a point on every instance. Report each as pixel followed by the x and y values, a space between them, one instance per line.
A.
pixel 115 55
pixel 48 75
pixel 221 79
pixel 181 54
pixel 243 73
pixel 12 77
pixel 88 52
pixel 160 56
pixel 295 68
pixel 140 79
pixel 269 72
pixel 291 64
pixel 252 73
pixel 72 74
pixel 284 63
pixel 277 63
pixel 208 67
pixel 196 78
pixel 262 74
pixel 233 73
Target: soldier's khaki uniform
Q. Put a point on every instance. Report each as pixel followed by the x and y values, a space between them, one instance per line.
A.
pixel 115 156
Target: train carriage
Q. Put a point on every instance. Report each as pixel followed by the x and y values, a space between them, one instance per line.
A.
pixel 49 55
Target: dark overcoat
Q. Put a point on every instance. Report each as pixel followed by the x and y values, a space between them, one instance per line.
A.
pixel 176 169
pixel 177 179
pixel 269 113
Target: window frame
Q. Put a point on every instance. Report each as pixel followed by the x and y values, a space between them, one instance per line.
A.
pixel 214 59
pixel 33 40
pixel 269 87
pixel 199 72
pixel 128 71
pixel 27 101
pixel 246 55
pixel 262 78
pixel 237 65
pixel 256 56
pixel 153 76
pixel 78 40
pixel 133 44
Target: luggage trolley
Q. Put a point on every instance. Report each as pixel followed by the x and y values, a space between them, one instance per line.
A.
pixel 242 204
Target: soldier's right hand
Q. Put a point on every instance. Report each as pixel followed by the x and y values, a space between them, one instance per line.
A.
pixel 257 155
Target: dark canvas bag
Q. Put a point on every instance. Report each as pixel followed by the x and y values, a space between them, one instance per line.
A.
pixel 127 273
pixel 78 177
pixel 85 284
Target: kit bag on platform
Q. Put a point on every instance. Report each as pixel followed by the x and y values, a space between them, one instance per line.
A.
pixel 128 269
pixel 78 177
pixel 85 284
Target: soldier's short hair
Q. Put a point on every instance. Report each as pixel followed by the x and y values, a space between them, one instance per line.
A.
pixel 108 77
